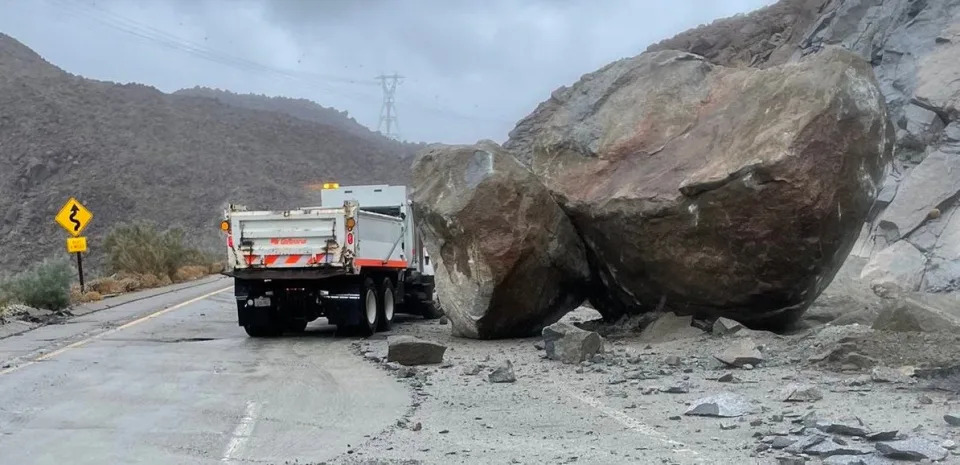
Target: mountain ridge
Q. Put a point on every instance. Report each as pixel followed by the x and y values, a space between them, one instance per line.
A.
pixel 131 152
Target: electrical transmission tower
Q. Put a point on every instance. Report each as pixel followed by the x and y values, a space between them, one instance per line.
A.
pixel 389 125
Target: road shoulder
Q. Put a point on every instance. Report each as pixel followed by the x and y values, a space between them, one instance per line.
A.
pixel 93 319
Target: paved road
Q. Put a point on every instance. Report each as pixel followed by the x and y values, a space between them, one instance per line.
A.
pixel 170 378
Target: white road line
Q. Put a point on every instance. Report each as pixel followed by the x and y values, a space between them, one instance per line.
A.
pixel 82 342
pixel 632 423
pixel 242 433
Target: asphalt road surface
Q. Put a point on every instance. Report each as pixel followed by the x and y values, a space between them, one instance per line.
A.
pixel 167 377
pixel 171 378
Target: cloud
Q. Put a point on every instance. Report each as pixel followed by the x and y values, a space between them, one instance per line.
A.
pixel 473 68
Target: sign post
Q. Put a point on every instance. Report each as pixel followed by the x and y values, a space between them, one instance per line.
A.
pixel 74 217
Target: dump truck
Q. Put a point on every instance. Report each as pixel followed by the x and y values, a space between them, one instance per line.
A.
pixel 355 259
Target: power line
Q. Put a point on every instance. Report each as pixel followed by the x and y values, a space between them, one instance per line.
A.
pixel 163 38
pixel 317 80
pixel 388 109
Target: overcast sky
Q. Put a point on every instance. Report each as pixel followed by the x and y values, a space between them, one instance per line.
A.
pixel 472 67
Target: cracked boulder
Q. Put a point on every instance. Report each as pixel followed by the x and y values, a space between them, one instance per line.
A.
pixel 921 126
pixel 899 265
pixel 708 190
pixel 926 190
pixel 509 261
pixel 570 344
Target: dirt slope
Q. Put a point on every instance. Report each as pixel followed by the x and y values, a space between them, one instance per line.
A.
pixel 132 152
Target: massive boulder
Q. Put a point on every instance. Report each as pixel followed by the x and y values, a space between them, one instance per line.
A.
pixel 913 47
pixel 508 260
pixel 710 190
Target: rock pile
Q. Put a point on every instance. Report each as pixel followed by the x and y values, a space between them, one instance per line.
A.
pixel 683 185
pixel 848 443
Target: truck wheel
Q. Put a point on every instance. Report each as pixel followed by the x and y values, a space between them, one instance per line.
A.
pixel 430 310
pixel 296 326
pixel 388 304
pixel 262 331
pixel 271 327
pixel 370 304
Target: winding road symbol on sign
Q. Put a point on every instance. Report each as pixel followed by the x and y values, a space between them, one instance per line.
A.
pixel 74 217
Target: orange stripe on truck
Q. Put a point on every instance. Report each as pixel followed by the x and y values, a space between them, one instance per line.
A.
pixel 373 262
pixel 270 260
pixel 292 259
pixel 250 259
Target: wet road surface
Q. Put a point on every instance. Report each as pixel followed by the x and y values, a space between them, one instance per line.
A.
pixel 171 378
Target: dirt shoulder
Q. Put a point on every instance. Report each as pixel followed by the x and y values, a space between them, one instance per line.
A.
pixel 16 319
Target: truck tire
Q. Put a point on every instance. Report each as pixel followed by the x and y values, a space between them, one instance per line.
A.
pixel 430 310
pixel 296 326
pixel 370 305
pixel 263 330
pixel 258 327
pixel 388 299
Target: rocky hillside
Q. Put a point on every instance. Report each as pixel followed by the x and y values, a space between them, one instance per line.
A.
pixel 132 152
pixel 298 108
pixel 912 238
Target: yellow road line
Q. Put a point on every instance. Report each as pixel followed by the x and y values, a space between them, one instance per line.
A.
pixel 82 342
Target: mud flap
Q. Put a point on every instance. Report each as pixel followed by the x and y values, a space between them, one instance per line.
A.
pixel 342 309
pixel 254 316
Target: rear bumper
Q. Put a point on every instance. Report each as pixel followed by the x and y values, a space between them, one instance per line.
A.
pixel 255 274
pixel 299 299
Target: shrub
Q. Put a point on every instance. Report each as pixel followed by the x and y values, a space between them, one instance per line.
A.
pixel 45 285
pixel 216 267
pixel 5 301
pixel 191 272
pixel 140 248
pixel 5 298
pixel 130 284
pixel 105 286
pixel 148 281
pixel 75 295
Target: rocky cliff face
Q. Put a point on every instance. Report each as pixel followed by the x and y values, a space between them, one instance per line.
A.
pixel 914 48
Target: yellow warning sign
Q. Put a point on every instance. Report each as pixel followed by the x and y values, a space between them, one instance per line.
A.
pixel 74 217
pixel 76 244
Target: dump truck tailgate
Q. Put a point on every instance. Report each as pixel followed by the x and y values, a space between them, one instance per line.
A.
pixel 287 239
